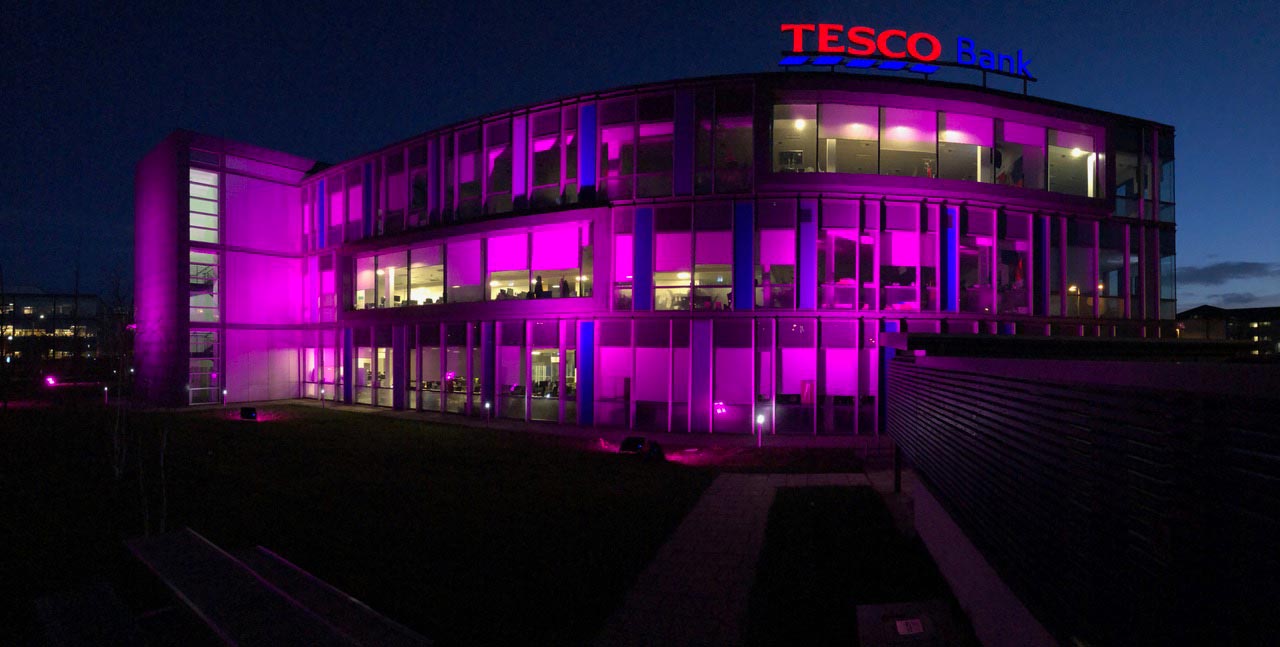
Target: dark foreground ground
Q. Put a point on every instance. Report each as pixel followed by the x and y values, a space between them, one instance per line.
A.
pixel 466 535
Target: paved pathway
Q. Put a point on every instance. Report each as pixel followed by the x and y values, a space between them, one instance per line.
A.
pixel 695 590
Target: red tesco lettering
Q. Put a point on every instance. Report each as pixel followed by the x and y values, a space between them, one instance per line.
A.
pixel 863 41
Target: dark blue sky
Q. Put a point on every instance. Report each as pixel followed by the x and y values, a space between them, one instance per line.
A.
pixel 86 91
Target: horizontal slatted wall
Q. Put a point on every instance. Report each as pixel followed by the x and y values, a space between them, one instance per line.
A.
pixel 1118 515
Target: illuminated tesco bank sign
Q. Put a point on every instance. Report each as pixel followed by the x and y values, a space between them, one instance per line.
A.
pixel 915 52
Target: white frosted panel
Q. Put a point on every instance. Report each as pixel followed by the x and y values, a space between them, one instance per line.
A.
pixel 261 365
pixel 262 215
pixel 732 364
pixel 262 289
pixel 798 365
pixel 653 372
pixel 842 371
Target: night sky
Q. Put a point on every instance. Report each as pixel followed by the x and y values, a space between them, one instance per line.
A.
pixel 85 92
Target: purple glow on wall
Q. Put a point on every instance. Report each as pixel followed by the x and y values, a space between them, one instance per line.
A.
pixel 672 252
pixel 967 129
pixel 1017 133
pixel 715 247
pixel 544 144
pixel 903 125
pixel 656 130
pixel 508 253
pixel 777 247
pixel 462 262
pixel 555 248
pixel 1074 140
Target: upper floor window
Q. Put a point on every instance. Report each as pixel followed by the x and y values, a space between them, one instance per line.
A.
pixel 202 205
pixel 839 138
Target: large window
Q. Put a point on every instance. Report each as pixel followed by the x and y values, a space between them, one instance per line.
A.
pixel 713 269
pixel 1112 251
pixel 1014 264
pixel 366 283
pixel 418 186
pixel 1019 155
pixel 965 147
pixel 497 162
pixel 1081 280
pixel 900 258
pixel 977 242
pixel 426 275
pixel 617 147
pixel 202 373
pixel 1166 153
pixel 203 279
pixel 396 196
pixel 623 265
pixel 508 268
pixel 775 274
pixel 202 205
pixel 673 259
pixel 470 172
pixel 848 138
pixel 1073 164
pixel 733 136
pixel 545 132
pixel 354 184
pixel 392 279
pixel 908 142
pixel 562 260
pixel 795 146
pixel 655 153
pixel 462 272
pixel 1168 277
pixel 1128 177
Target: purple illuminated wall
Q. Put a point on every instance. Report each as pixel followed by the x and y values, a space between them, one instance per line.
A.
pixel 160 347
pixel 260 289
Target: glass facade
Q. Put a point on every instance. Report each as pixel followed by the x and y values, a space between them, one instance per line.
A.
pixel 755 236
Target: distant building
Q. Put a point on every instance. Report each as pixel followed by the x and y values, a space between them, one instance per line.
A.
pixel 39 325
pixel 1260 325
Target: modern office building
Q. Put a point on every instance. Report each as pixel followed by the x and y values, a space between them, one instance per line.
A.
pixel 680 256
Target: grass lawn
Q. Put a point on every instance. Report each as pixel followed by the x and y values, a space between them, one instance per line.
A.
pixel 826 551
pixel 466 535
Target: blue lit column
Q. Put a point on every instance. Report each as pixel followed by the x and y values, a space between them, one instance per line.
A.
pixel 642 260
pixel 949 264
pixel 587 152
pixel 322 225
pixel 586 373
pixel 743 256
pixel 807 256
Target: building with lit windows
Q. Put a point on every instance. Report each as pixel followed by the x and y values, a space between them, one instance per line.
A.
pixel 1260 326
pixel 37 325
pixel 679 256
